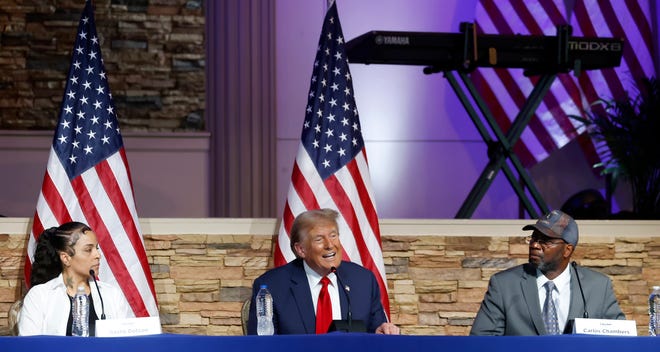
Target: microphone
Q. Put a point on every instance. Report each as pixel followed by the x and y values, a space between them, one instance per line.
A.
pixel 92 274
pixel 348 325
pixel 584 301
pixel 347 289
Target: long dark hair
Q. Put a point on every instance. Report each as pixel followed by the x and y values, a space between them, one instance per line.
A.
pixel 47 264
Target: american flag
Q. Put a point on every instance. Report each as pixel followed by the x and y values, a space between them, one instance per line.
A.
pixel 87 176
pixel 505 89
pixel 331 169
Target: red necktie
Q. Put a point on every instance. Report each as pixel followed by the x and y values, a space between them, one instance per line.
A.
pixel 323 308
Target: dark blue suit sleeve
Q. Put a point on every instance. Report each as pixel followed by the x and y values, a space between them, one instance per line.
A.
pixel 366 302
pixel 377 311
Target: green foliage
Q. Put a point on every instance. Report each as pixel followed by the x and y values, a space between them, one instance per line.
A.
pixel 629 128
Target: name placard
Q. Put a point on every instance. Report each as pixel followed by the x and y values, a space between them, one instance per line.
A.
pixel 128 327
pixel 605 327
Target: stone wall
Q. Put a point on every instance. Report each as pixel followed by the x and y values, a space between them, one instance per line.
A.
pixel 436 283
pixel 153 51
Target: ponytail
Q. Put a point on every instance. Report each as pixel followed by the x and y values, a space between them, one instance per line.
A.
pixel 47 264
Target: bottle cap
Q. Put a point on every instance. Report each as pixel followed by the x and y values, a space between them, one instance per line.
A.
pixel 263 286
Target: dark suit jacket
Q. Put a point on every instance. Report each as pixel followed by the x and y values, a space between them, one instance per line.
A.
pixel 511 304
pixel 293 309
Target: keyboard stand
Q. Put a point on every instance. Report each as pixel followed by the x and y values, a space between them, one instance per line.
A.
pixel 500 147
pixel 373 48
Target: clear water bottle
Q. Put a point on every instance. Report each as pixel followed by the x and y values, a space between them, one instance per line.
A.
pixel 80 313
pixel 264 312
pixel 654 312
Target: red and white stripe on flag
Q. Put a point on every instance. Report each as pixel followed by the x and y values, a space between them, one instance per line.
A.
pixel 102 198
pixel 88 179
pixel 630 20
pixel 331 169
pixel 350 193
pixel 504 90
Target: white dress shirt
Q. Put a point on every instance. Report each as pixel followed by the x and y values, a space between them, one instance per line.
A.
pixel 46 307
pixel 314 281
pixel 561 294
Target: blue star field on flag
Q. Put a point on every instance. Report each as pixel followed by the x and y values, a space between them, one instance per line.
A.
pixel 87 130
pixel 331 132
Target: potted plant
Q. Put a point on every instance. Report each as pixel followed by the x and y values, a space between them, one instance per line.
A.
pixel 629 129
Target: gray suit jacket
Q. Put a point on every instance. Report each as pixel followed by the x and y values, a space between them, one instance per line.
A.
pixel 511 304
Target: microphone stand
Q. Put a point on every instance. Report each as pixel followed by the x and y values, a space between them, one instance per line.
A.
pixel 346 325
pixel 584 301
pixel 92 274
pixel 347 290
pixel 569 325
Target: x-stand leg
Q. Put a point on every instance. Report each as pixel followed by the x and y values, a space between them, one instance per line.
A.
pixel 500 148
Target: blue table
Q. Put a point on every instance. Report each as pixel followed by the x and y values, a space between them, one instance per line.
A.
pixel 337 342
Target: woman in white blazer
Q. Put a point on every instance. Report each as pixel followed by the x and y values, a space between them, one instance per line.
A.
pixel 62 262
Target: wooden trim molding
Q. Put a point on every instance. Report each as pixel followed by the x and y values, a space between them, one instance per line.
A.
pixel 388 227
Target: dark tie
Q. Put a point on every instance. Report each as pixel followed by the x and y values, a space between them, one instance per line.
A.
pixel 550 311
pixel 323 308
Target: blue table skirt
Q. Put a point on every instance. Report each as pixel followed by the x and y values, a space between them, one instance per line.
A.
pixel 335 342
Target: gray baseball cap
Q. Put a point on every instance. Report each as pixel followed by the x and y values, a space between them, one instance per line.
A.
pixel 557 224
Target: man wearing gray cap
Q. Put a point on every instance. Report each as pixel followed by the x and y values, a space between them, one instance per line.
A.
pixel 542 296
